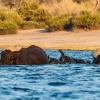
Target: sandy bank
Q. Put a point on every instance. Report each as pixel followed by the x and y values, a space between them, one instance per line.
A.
pixel 53 40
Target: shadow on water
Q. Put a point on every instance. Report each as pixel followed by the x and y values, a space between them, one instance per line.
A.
pixel 51 82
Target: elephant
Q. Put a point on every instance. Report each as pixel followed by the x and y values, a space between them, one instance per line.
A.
pixel 67 59
pixel 30 55
pixel 9 57
pixel 54 61
pixel 96 53
pixel 34 55
pixel 96 56
pixel 97 60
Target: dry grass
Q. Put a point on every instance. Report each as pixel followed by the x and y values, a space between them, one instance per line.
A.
pixel 68 6
pixel 2 7
pixel 65 6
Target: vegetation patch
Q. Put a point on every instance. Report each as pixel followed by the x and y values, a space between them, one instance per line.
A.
pixel 2 15
pixel 41 15
pixel 8 27
pixel 60 22
pixel 29 25
pixel 80 1
pixel 27 9
pixel 86 20
pixel 14 17
pixel 55 15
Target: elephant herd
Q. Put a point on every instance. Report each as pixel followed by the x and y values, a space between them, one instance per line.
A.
pixel 36 55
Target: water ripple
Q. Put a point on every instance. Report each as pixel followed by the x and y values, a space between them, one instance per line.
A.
pixel 51 82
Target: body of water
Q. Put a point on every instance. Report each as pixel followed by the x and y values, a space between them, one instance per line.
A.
pixel 52 81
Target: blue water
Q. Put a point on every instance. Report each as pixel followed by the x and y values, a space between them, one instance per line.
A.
pixel 52 82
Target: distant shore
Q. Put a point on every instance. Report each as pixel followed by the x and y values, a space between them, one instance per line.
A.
pixel 88 40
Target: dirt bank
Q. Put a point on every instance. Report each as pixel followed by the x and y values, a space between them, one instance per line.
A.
pixel 53 40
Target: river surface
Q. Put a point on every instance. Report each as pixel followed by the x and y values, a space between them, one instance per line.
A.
pixel 52 81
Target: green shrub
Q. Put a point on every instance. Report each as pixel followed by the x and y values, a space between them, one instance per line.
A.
pixel 34 5
pixel 42 25
pixel 25 10
pixel 59 22
pixel 41 15
pixel 2 15
pixel 29 25
pixel 8 27
pixel 87 20
pixel 32 25
pixel 15 17
pixel 79 1
pixel 32 12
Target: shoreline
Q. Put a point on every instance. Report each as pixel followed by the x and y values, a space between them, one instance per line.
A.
pixel 85 40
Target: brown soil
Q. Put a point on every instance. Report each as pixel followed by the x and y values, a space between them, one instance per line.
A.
pixel 52 40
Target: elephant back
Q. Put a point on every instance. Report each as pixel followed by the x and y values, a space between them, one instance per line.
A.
pixel 33 55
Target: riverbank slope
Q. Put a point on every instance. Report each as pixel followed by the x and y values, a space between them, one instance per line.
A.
pixel 87 40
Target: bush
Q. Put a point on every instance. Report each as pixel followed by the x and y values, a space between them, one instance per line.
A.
pixel 26 9
pixel 29 25
pixel 8 27
pixel 79 1
pixel 32 12
pixel 59 22
pixel 87 20
pixel 15 17
pixel 42 25
pixel 2 15
pixel 32 25
pixel 41 15
pixel 34 5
